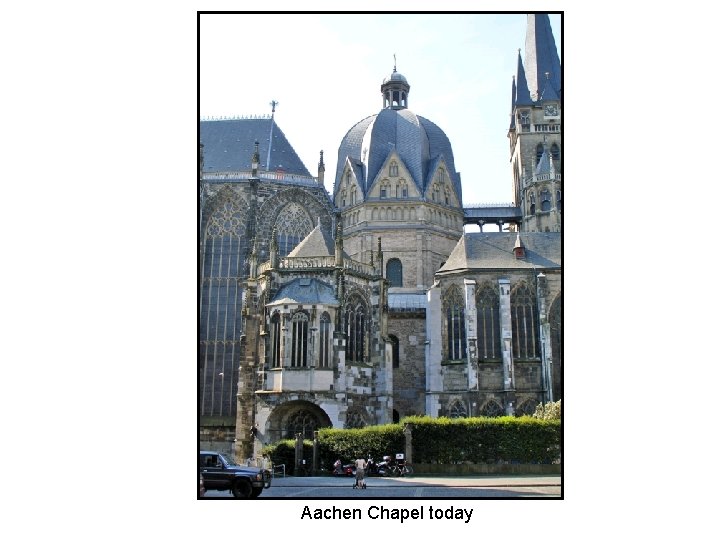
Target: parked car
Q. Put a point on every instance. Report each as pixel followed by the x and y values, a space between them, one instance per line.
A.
pixel 220 472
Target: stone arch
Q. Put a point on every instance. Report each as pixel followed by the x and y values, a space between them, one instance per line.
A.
pixel 295 416
pixel 527 407
pixel 491 408
pixel 457 408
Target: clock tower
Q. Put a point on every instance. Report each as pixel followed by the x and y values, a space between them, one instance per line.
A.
pixel 535 131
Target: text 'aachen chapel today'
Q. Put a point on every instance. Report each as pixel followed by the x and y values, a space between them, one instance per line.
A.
pixel 369 304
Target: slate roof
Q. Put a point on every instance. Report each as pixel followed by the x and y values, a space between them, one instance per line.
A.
pixel 406 301
pixel 541 54
pixel 494 251
pixel 417 141
pixel 228 145
pixel 315 244
pixel 305 291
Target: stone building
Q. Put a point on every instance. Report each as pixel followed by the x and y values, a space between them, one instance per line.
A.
pixel 367 302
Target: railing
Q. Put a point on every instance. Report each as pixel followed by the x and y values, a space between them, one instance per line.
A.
pixel 488 205
pixel 279 468
pixel 287 263
pixel 543 178
pixel 263 175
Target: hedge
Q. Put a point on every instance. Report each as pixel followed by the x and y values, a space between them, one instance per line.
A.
pixel 434 440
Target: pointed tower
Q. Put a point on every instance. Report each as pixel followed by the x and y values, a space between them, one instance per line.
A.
pixel 536 128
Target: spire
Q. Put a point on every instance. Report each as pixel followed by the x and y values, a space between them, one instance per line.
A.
pixel 321 170
pixel 545 165
pixel 541 55
pixel 522 96
pixel 273 104
pixel 512 105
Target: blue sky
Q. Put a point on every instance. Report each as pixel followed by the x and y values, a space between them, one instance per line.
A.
pixel 325 71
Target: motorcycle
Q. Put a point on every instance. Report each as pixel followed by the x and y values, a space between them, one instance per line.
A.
pixel 378 469
pixel 344 470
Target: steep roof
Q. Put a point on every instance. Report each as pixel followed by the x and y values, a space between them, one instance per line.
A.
pixel 541 55
pixel 315 244
pixel 228 145
pixel 494 250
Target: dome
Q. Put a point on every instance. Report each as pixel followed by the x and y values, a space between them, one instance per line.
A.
pixel 418 142
pixel 395 76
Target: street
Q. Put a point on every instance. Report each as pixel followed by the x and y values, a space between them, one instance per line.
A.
pixel 329 487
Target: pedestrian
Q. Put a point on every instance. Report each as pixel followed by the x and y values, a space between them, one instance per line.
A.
pixel 338 467
pixel 360 465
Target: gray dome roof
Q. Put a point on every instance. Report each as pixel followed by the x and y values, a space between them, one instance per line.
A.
pixel 418 142
pixel 395 76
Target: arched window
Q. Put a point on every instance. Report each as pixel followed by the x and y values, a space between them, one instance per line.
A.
pixel 488 323
pixel 545 203
pixel 354 420
pixel 538 153
pixel 527 407
pixel 301 422
pixel 222 268
pixel 355 328
pixel 394 272
pixel 523 313
pixel 532 203
pixel 555 152
pixel 293 224
pixel 275 334
pixel 353 196
pixel 458 409
pixel 325 340
pixel 393 168
pixel 395 344
pixel 491 409
pixel 558 200
pixel 454 309
pixel 298 356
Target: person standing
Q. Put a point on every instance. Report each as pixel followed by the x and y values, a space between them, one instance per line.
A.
pixel 360 466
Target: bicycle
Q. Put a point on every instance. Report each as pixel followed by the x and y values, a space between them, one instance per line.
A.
pixel 404 469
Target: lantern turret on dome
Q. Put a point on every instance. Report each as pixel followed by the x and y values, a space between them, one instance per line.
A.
pixel 395 90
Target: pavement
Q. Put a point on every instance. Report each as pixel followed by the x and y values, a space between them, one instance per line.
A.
pixel 448 481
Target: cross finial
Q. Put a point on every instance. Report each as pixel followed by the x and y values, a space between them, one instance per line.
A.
pixel 274 103
pixel 394 64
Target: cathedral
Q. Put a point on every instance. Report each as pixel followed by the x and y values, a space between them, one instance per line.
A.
pixel 365 301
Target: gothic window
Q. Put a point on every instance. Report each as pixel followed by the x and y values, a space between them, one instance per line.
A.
pixel 436 193
pixel 545 203
pixel 527 407
pixel 343 198
pixel 383 191
pixel 301 422
pixel 532 203
pixel 325 340
pixel 298 356
pixel 275 335
pixel 454 310
pixel 524 118
pixel 222 266
pixel 395 344
pixel 293 224
pixel 442 175
pixel 394 273
pixel 353 195
pixel 355 328
pixel 555 152
pixel 523 314
pixel 538 153
pixel 393 168
pixel 488 323
pixel 404 190
pixel 354 420
pixel 558 200
pixel 491 409
pixel 458 409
